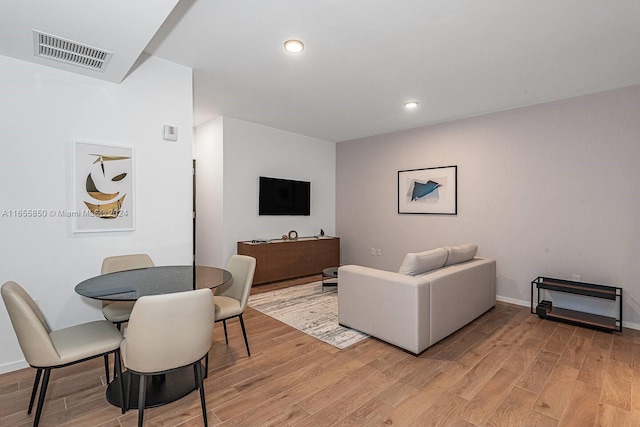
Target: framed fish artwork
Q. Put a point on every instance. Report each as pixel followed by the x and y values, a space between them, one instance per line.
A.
pixel 428 191
pixel 103 188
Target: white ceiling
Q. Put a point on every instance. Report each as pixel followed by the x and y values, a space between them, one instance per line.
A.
pixel 123 27
pixel 363 58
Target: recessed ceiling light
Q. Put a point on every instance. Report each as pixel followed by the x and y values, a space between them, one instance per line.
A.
pixel 411 105
pixel 293 46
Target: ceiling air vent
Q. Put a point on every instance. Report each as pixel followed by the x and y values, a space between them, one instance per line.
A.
pixel 70 52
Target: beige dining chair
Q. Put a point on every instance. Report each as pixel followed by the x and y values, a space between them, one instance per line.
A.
pixel 231 299
pixel 118 312
pixel 45 349
pixel 167 332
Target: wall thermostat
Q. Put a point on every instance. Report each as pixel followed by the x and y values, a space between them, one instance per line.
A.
pixel 170 133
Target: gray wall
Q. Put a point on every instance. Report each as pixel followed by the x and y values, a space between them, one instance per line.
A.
pixel 550 189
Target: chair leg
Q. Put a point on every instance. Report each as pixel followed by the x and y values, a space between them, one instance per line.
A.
pixel 200 383
pixel 118 372
pixel 226 338
pixel 206 366
pixel 127 395
pixel 106 368
pixel 195 375
pixel 244 333
pixel 43 391
pixel 119 326
pixel 36 383
pixel 141 398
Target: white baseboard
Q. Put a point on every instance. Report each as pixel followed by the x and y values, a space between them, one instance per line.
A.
pixel 14 366
pixel 631 325
pixel 513 301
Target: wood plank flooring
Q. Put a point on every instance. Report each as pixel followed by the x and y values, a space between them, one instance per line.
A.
pixel 507 368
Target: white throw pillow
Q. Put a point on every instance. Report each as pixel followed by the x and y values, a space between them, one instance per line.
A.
pixel 421 262
pixel 462 253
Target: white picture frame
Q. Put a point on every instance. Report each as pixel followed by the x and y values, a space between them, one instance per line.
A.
pixel 428 191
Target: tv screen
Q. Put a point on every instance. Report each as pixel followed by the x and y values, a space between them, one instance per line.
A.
pixel 284 197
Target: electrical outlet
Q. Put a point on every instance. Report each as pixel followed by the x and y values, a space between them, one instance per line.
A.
pixel 378 252
pixel 575 277
pixel 373 251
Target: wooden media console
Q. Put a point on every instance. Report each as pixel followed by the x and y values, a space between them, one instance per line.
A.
pixel 288 259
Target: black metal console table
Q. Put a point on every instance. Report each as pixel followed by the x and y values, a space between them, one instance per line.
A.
pixel 546 310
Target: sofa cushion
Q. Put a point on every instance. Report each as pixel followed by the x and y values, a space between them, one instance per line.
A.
pixel 421 262
pixel 461 253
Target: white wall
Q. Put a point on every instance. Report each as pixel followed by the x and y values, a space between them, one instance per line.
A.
pixel 208 152
pixel 43 112
pixel 250 151
pixel 547 190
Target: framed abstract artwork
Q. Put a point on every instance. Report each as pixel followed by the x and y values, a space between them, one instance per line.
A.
pixel 103 188
pixel 428 191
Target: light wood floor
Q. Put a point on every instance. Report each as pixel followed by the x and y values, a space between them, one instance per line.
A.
pixel 507 368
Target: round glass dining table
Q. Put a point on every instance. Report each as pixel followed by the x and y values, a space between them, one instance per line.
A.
pixel 129 285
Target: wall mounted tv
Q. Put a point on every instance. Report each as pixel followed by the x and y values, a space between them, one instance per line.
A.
pixel 284 197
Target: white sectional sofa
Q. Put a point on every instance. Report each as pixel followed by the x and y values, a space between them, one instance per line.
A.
pixel 434 294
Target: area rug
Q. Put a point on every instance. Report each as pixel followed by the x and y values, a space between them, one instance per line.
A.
pixel 309 309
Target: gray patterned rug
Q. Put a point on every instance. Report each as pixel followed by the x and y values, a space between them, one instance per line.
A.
pixel 310 310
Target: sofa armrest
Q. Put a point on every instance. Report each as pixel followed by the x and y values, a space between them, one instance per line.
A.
pixel 459 294
pixel 390 306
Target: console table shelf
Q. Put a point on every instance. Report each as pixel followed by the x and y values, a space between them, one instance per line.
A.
pixel 546 310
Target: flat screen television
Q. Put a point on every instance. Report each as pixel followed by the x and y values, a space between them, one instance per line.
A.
pixel 284 197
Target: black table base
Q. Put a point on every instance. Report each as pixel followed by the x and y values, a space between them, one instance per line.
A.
pixel 161 389
pixel 329 277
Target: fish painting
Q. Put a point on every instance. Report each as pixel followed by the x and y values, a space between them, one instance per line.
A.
pixel 423 189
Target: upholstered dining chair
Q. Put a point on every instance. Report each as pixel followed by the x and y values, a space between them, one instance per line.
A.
pixel 118 312
pixel 45 349
pixel 167 332
pixel 231 299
